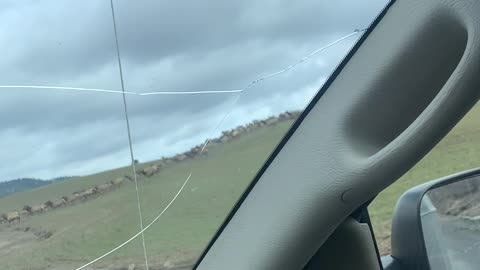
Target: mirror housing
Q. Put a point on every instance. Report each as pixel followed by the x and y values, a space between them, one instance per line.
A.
pixel 414 212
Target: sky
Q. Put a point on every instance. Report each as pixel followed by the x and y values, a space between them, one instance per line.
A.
pixel 164 46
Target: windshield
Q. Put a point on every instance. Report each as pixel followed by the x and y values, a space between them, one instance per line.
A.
pixel 129 129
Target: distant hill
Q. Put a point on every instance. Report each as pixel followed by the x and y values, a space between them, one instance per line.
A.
pixel 24 184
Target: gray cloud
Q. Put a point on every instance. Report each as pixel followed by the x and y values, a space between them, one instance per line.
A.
pixel 165 45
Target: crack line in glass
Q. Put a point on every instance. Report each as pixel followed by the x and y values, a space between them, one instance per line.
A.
pixel 225 116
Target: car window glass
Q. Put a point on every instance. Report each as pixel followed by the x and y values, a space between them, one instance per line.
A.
pixel 458 151
pixel 129 129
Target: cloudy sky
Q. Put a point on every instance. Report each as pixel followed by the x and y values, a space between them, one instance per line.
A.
pixel 165 46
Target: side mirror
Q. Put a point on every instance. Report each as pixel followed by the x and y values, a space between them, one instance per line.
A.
pixel 436 225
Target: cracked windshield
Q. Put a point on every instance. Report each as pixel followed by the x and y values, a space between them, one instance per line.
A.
pixel 129 129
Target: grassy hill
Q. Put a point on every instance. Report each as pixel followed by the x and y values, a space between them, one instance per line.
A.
pixel 458 151
pixel 85 230
pixel 18 185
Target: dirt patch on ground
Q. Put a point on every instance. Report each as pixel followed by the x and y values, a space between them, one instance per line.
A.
pixel 167 265
pixel 14 237
pixel 473 212
pixel 457 199
pixel 12 240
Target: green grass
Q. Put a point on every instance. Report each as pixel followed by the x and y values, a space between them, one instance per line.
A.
pixel 458 151
pixel 86 230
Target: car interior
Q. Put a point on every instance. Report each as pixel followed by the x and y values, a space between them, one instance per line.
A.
pixel 412 76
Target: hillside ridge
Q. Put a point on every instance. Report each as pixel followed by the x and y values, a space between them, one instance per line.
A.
pixel 152 169
pixel 11 187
